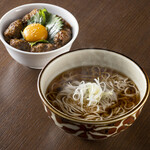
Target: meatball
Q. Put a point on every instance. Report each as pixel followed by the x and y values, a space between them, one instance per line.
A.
pixel 14 30
pixel 42 47
pixel 28 16
pixel 62 37
pixel 20 44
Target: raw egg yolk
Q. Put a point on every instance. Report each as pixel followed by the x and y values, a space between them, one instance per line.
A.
pixel 35 32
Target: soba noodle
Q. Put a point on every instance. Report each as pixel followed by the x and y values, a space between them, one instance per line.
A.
pixel 93 93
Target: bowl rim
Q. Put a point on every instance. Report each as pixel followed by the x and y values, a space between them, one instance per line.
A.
pixel 39 53
pixel 65 116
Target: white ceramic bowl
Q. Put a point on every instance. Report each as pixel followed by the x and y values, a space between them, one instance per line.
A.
pixel 93 130
pixel 30 59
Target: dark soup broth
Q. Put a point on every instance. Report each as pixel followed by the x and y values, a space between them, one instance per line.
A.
pixel 93 93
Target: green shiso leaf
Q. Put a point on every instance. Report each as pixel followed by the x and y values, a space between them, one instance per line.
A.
pixel 52 22
pixel 40 41
pixel 39 17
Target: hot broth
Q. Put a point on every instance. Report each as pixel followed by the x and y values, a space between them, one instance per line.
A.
pixel 93 93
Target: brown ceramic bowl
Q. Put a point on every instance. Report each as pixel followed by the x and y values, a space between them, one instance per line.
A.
pixel 93 130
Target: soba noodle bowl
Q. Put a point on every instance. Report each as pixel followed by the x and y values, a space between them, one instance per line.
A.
pixel 93 93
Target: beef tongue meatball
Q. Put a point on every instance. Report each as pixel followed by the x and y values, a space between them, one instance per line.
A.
pixel 28 16
pixel 62 37
pixel 42 47
pixel 20 44
pixel 14 30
